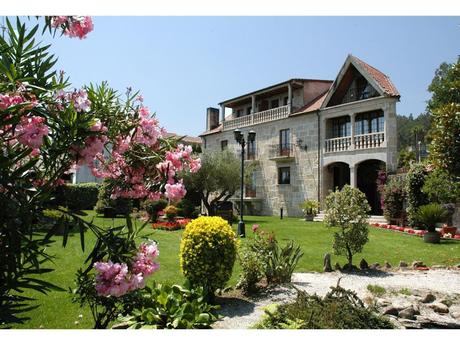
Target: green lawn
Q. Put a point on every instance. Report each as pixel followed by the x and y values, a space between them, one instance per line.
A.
pixel 57 311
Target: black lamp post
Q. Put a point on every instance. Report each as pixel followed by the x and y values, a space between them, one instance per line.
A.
pixel 239 137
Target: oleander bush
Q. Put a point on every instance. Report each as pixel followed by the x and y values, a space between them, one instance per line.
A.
pixel 207 253
pixel 82 196
pixel 394 196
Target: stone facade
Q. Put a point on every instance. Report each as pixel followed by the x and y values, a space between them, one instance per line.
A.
pixel 318 160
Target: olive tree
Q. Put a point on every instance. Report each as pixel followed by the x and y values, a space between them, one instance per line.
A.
pixel 348 210
pixel 217 180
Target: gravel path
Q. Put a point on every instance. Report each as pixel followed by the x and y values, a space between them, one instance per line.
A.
pixel 241 314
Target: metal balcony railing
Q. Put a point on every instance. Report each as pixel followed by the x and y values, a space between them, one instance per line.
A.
pixel 282 151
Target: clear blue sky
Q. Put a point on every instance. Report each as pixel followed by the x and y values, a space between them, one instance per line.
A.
pixel 182 65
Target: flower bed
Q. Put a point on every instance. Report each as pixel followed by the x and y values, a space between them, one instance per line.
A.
pixel 170 226
pixel 411 231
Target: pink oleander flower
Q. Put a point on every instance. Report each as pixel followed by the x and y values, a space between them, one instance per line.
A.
pixel 93 147
pixel 80 100
pixel 255 227
pixel 112 279
pixel 7 101
pixel 144 263
pixel 73 26
pixel 31 130
pixel 98 127
pixel 140 98
pixel 148 132
pixel 144 111
pixel 175 191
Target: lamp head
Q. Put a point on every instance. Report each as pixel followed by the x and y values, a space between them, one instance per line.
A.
pixel 251 136
pixel 238 135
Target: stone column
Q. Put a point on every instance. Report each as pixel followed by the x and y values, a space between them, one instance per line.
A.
pixel 352 124
pixel 253 104
pixel 289 98
pixel 353 176
pixel 222 109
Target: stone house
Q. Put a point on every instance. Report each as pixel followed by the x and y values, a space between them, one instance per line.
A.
pixel 312 136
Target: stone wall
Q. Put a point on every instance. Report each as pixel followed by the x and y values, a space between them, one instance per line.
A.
pixel 304 166
pixel 456 217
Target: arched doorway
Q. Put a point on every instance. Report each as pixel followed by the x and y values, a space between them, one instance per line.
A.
pixel 336 175
pixel 366 181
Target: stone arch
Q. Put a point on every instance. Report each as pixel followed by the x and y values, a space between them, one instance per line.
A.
pixel 335 176
pixel 366 172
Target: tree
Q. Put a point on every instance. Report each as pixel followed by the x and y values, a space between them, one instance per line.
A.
pixel 348 210
pixel 217 180
pixel 444 107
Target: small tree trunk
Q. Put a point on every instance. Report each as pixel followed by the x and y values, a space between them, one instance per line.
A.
pixel 349 257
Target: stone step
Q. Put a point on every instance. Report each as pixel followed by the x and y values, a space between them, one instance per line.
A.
pixel 372 219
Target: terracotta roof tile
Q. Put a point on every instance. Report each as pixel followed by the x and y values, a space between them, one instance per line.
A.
pixel 380 78
pixel 312 106
pixel 185 138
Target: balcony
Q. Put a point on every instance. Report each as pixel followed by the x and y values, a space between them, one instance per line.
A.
pixel 260 117
pixel 284 152
pixel 360 142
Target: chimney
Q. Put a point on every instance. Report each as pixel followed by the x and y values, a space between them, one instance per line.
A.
pixel 212 118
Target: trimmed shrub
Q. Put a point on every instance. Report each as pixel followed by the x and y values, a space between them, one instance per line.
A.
pixel 153 207
pixel 170 212
pixel 415 180
pixel 120 206
pixel 207 253
pixel 82 196
pixel 188 209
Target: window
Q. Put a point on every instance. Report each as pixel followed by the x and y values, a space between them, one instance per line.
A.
pixel 250 188
pixel 285 141
pixel 224 144
pixel 251 150
pixel 248 110
pixel 285 100
pixel 371 122
pixel 239 113
pixel 275 103
pixel 340 127
pixel 284 175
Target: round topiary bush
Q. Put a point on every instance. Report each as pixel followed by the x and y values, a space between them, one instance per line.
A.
pixel 207 253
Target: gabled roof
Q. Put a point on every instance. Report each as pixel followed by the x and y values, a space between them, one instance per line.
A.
pixel 379 81
pixel 380 78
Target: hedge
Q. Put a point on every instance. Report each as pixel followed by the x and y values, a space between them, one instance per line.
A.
pixel 82 196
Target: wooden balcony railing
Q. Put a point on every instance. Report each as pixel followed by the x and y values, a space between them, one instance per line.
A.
pixel 260 117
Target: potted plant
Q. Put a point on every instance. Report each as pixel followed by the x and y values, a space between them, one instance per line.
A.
pixel 309 209
pixel 429 215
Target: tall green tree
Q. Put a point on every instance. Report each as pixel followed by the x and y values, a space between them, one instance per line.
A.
pixel 444 108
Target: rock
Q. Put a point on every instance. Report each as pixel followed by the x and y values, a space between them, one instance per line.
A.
pixel 363 264
pixel 455 315
pixel 455 311
pixel 327 263
pixel 387 265
pixel 408 313
pixel 391 310
pixel 428 298
pixel 337 267
pixel 446 301
pixel 416 264
pixel 439 308
pixel 122 325
pixel 403 264
pixel 375 266
pixel 439 267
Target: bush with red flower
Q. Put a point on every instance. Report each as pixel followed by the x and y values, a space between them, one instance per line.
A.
pixel 171 225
